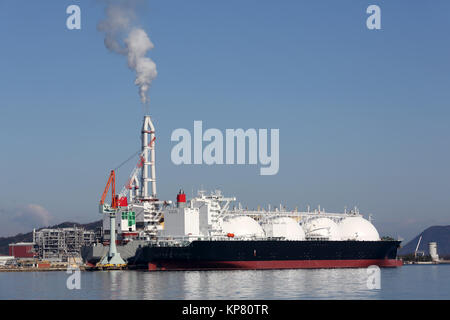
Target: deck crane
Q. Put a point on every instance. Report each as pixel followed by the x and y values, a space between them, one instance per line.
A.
pixel 104 207
pixel 112 259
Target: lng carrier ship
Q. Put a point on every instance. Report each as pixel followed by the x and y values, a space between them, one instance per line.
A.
pixel 206 233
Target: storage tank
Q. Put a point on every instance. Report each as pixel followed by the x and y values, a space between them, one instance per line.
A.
pixel 242 226
pixel 432 247
pixel 358 228
pixel 284 227
pixel 322 228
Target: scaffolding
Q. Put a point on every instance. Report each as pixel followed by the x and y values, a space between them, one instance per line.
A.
pixel 61 244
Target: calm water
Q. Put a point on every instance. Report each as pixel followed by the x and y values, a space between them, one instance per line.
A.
pixel 407 282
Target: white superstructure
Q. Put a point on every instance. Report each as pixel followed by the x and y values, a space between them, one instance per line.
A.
pixel 211 207
pixel 141 215
pixel 181 222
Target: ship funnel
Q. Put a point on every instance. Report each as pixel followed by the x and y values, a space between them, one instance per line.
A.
pixel 181 199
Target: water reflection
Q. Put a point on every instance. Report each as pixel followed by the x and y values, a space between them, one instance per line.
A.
pixel 408 282
pixel 229 285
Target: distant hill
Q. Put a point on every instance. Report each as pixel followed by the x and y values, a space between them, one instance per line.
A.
pixel 28 237
pixel 438 234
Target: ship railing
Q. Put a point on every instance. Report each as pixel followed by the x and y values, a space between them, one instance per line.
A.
pixel 291 214
pixel 186 240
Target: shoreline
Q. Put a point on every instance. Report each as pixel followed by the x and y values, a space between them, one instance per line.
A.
pixel 81 268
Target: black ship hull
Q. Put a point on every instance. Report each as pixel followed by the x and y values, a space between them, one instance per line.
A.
pixel 268 254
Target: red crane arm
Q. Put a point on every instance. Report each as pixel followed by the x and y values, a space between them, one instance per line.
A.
pixel 111 182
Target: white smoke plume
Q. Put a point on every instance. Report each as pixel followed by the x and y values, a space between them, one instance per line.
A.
pixel 23 218
pixel 33 214
pixel 123 37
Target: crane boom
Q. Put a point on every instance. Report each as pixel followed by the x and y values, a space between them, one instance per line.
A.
pixel 417 247
pixel 111 182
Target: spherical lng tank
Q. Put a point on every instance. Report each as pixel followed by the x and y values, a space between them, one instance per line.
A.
pixel 322 228
pixel 242 226
pixel 358 228
pixel 284 227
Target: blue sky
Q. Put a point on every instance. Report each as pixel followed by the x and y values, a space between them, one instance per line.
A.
pixel 363 115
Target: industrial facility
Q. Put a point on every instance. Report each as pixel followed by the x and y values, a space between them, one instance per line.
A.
pixel 50 247
pixel 61 244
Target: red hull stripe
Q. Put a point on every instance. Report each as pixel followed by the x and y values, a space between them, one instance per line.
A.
pixel 278 264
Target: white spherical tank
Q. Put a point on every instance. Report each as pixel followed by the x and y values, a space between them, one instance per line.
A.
pixel 242 226
pixel 358 228
pixel 322 228
pixel 283 227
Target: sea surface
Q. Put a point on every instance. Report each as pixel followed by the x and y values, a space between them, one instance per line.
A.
pixel 407 282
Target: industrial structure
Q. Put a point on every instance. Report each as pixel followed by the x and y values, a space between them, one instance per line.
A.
pixel 432 248
pixel 52 249
pixel 22 250
pixel 61 244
